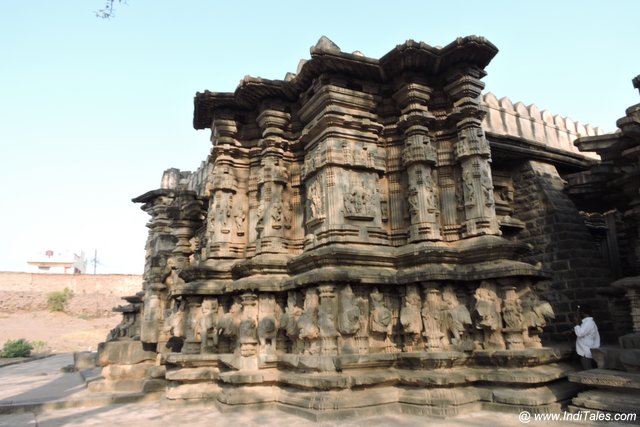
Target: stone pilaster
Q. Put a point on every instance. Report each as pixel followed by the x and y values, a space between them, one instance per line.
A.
pixel 419 158
pixel 473 153
pixel 189 219
pixel 160 244
pixel 220 219
pixel 274 205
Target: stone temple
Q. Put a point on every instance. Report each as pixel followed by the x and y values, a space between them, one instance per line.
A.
pixel 372 234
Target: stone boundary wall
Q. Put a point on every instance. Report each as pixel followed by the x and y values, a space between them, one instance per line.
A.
pixel 531 124
pixel 92 295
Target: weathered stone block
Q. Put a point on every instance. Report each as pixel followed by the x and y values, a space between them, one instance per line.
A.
pixel 123 353
pixel 144 370
pixel 197 391
pixel 85 360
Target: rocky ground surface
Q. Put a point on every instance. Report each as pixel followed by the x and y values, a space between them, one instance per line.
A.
pixel 56 332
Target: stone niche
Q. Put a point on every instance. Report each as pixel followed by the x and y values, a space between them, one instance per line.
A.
pixel 340 249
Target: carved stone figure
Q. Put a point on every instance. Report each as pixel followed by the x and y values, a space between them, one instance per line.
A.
pixel 308 322
pixel 468 185
pixel 536 314
pixel 381 319
pixel 276 214
pixel 290 320
pixel 411 319
pixel 326 322
pixel 291 315
pixel 488 317
pixel 239 217
pixel 207 332
pixel 432 318
pixel 512 314
pixel 175 323
pixel 172 273
pixel 414 206
pixel 314 202
pixel 224 211
pixel 349 319
pixel 357 201
pixel 380 315
pixel 286 214
pixel 458 319
pixel 487 187
pixel 193 314
pixel 247 332
pixel 229 325
pixel 268 323
pixel 459 193
pixel 260 214
pixel 280 172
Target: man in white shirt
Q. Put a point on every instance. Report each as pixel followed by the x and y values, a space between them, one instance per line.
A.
pixel 587 335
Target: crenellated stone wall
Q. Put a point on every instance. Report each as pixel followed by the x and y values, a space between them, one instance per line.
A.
pixel 530 124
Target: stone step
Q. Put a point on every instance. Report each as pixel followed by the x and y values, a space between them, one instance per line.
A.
pixel 607 378
pixel 608 402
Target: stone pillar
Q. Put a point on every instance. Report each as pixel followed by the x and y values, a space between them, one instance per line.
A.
pixel 472 152
pixel 419 157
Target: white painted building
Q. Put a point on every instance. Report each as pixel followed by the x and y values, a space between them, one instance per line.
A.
pixel 57 262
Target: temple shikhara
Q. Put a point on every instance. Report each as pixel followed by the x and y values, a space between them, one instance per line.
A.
pixel 373 234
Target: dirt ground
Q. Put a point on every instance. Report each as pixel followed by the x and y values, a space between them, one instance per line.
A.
pixel 61 332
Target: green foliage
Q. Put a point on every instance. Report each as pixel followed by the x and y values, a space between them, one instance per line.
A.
pixel 16 348
pixel 57 301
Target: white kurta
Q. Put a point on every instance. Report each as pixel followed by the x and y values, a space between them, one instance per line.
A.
pixel 588 337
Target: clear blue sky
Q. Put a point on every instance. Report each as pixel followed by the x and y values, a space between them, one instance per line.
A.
pixel 93 111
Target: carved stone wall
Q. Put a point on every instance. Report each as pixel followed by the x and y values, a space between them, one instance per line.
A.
pixel 353 221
